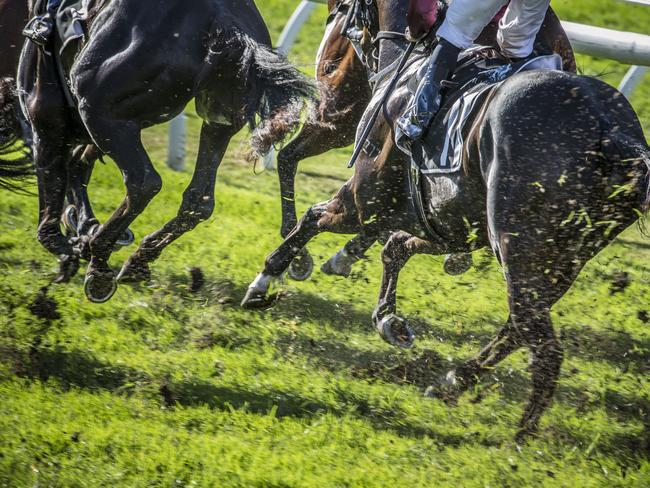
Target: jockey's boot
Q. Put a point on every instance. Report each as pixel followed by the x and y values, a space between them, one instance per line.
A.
pixel 426 101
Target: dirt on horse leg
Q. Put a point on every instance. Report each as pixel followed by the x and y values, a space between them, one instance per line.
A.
pixel 333 216
pixel 398 250
pixel 341 263
pixel 50 162
pixel 197 205
pixel 121 141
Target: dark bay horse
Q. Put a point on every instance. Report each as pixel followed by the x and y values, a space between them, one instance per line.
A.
pixel 13 17
pixel 78 218
pixel 556 167
pixel 344 94
pixel 132 73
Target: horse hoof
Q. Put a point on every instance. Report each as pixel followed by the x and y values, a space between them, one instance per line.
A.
pixel 301 267
pixel 69 219
pixel 396 331
pixel 256 298
pixel 446 389
pixel 100 287
pixel 458 263
pixel 126 239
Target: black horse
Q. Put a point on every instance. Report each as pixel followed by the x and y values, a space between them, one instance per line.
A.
pixel 133 72
pixel 556 167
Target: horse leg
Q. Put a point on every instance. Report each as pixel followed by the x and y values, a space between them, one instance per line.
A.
pixel 311 141
pixel 197 205
pixel 78 217
pixel 50 163
pixel 315 138
pixel 398 250
pixel 121 141
pixel 336 215
pixel 341 263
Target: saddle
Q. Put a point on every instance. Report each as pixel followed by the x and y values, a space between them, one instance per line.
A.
pixel 480 71
pixel 437 158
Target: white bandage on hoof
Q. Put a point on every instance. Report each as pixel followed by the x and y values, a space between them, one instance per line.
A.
pixel 262 282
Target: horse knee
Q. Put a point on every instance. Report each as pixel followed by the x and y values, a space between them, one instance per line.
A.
pixel 141 192
pixel 394 248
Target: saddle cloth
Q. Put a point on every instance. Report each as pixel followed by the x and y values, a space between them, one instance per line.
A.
pixel 441 150
pixel 58 23
pixel 59 29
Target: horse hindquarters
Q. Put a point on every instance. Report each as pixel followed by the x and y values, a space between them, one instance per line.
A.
pixel 550 189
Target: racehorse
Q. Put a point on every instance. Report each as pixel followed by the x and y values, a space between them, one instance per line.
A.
pixel 78 217
pixel 344 94
pixel 133 73
pixel 556 166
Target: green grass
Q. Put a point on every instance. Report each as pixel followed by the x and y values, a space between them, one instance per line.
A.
pixel 163 387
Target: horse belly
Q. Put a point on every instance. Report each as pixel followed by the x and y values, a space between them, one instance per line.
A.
pixel 456 207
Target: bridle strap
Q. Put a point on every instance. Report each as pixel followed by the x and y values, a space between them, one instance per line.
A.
pixel 388 35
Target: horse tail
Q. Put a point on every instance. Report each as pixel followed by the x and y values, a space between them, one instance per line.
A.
pixel 617 145
pixel 284 92
pixel 275 91
pixel 15 162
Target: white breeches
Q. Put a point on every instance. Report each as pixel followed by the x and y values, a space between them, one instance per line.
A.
pixel 517 29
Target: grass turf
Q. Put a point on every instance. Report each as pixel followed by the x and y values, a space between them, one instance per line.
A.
pixel 164 387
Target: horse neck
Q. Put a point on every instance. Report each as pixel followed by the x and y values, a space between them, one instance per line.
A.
pixel 392 18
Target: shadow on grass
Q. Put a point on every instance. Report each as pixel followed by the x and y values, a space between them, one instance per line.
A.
pixel 419 367
pixel 79 370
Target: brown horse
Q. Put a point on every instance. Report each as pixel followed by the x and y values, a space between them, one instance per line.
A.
pixel 132 73
pixel 344 95
pixel 556 167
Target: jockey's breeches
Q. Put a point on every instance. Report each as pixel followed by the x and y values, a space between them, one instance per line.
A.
pixel 517 28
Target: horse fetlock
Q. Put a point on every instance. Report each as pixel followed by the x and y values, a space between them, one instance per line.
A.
pixel 135 270
pixel 340 264
pixel 50 237
pixel 395 330
pixel 68 267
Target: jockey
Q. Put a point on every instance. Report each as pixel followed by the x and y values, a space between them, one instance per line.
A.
pixel 464 22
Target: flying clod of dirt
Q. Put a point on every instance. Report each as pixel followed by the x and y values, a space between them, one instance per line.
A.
pixel 620 281
pixel 197 280
pixel 44 307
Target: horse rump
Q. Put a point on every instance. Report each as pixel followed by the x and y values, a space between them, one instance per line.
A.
pixel 276 90
pixel 15 161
